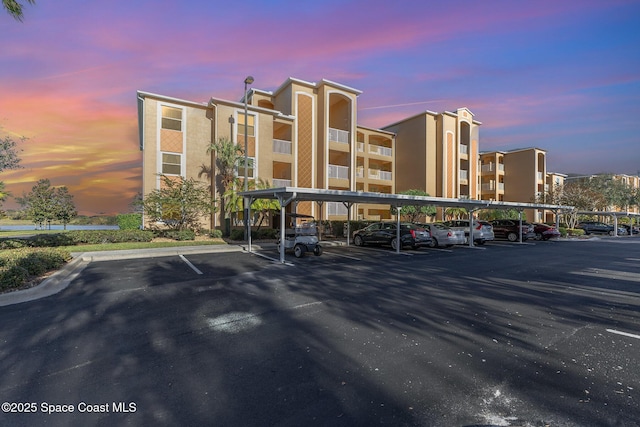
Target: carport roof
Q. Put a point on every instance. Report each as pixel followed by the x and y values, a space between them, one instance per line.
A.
pixel 287 195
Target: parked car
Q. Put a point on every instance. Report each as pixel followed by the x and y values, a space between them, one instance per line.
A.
pixel 628 228
pixel 545 232
pixel 482 230
pixel 385 233
pixel 510 229
pixel 596 227
pixel 442 235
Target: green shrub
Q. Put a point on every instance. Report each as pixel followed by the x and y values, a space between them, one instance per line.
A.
pixel 236 234
pixel 264 233
pixel 131 221
pixel 180 234
pixel 109 236
pixel 215 234
pixel 18 265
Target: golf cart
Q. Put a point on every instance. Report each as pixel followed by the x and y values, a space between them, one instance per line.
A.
pixel 301 235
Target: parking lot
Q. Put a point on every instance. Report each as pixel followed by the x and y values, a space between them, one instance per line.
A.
pixel 507 334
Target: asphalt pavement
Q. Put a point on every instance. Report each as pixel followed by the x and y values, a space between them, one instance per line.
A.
pixel 536 334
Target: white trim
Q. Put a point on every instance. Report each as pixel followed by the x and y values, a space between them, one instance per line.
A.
pixel 159 151
pixel 256 121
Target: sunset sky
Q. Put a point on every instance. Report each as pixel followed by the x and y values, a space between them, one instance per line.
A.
pixel 563 76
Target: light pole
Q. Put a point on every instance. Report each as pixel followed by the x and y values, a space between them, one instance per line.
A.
pixel 247 82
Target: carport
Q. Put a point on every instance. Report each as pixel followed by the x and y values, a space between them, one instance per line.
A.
pixel 615 216
pixel 288 195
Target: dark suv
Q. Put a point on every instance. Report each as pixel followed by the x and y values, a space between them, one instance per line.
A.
pixel 596 227
pixel 385 233
pixel 509 229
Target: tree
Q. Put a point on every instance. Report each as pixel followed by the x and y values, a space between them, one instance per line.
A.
pixel 9 153
pixel 455 213
pixel 234 203
pixel 413 213
pixel 14 8
pixel 227 156
pixel 179 203
pixel 9 159
pixel 64 208
pixel 40 203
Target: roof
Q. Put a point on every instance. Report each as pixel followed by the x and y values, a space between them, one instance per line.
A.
pixel 288 194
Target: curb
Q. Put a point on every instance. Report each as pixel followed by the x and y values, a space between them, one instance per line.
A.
pixel 61 279
pixel 52 285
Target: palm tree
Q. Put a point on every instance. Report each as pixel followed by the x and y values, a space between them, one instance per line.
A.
pixel 15 9
pixel 227 156
pixel 234 203
pixel 455 213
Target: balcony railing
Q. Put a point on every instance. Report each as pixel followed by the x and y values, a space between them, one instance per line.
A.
pixel 383 151
pixel 489 167
pixel 338 172
pixel 281 146
pixel 277 183
pixel 336 208
pixel 540 176
pixel 464 149
pixel 501 186
pixel 491 186
pixel 378 174
pixel 338 135
pixel 360 172
pixel 464 175
pixel 361 147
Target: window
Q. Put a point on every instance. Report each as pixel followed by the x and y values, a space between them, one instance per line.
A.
pixel 171 118
pixel 171 164
pixel 251 122
pixel 250 168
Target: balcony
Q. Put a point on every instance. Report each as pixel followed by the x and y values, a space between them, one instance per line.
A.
pixel 489 167
pixel 360 172
pixel 378 174
pixel 382 151
pixel 360 147
pixel 277 183
pixel 464 175
pixel 490 186
pixel 540 176
pixel 281 146
pixel 338 172
pixel 338 135
pixel 464 149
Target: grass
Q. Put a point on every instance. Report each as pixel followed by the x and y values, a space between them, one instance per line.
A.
pixel 142 245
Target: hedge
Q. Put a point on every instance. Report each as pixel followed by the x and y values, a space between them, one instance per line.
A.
pixel 19 265
pixel 78 237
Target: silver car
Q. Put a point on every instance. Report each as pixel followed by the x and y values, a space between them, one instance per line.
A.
pixel 442 235
pixel 482 230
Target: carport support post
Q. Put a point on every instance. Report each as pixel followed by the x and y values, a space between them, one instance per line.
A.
pixel 398 229
pixel 615 225
pixel 471 228
pixel 247 202
pixel 520 225
pixel 348 206
pixel 320 227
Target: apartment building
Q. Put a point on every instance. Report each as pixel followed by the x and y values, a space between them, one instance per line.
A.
pixel 438 153
pixel 303 134
pixel 515 176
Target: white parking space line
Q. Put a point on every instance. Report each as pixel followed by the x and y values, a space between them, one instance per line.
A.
pixel 193 267
pixel 625 334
